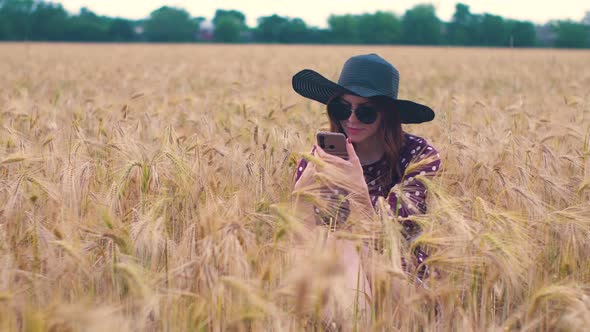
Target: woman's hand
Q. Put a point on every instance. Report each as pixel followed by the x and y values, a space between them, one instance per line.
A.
pixel 351 170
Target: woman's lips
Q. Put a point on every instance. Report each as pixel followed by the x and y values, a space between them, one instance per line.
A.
pixel 354 130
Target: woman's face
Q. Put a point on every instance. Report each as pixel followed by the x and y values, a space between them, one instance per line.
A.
pixel 355 129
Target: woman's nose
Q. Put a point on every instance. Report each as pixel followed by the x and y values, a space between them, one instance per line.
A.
pixel 352 118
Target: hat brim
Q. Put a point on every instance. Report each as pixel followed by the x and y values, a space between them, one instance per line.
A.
pixel 310 84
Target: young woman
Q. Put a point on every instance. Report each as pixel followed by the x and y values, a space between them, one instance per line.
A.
pixel 363 105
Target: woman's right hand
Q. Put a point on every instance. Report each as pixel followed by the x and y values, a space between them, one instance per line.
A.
pixel 334 208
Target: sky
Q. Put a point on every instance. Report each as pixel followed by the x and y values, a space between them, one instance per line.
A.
pixel 316 12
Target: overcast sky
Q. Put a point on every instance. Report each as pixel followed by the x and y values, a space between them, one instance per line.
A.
pixel 316 12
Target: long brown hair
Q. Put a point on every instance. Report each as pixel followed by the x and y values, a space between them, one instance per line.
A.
pixel 390 131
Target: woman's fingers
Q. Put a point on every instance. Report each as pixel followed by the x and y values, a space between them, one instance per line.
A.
pixel 331 158
pixel 351 152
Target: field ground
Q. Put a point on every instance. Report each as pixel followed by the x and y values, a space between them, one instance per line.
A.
pixel 146 187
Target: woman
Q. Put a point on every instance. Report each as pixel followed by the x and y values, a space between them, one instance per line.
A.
pixel 363 105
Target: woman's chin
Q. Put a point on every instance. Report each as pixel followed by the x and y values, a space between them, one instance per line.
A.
pixel 356 138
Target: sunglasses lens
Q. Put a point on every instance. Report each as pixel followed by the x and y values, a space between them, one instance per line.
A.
pixel 339 111
pixel 366 114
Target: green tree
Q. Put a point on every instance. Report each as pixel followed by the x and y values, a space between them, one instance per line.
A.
pixel 278 29
pixel 459 32
pixel 295 31
pixel 269 28
pixel 228 30
pixel 492 31
pixel 521 33
pixel 344 29
pixel 229 26
pixel 379 28
pixel 421 26
pixel 170 24
pixel 318 36
pixel 87 26
pixel 571 34
pixel 237 15
pixel 15 19
pixel 121 30
pixel 49 22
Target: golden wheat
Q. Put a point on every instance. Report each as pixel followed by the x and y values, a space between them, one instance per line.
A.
pixel 147 187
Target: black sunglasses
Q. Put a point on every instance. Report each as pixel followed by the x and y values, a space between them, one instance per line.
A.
pixel 341 111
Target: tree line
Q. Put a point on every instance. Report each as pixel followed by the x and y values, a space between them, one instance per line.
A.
pixel 37 20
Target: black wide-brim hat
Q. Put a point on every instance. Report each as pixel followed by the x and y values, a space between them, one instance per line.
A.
pixel 367 76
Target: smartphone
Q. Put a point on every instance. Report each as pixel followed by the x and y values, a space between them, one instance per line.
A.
pixel 333 143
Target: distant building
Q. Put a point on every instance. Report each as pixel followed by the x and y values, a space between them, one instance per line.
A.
pixel 206 31
pixel 545 34
pixel 138 30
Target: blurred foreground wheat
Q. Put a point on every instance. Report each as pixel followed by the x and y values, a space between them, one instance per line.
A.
pixel 148 188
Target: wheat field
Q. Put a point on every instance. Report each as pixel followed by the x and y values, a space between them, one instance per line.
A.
pixel 148 188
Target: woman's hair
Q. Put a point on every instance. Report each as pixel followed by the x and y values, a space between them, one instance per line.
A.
pixel 391 134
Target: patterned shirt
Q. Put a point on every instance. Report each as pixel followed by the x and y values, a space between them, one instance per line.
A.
pixel 417 157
